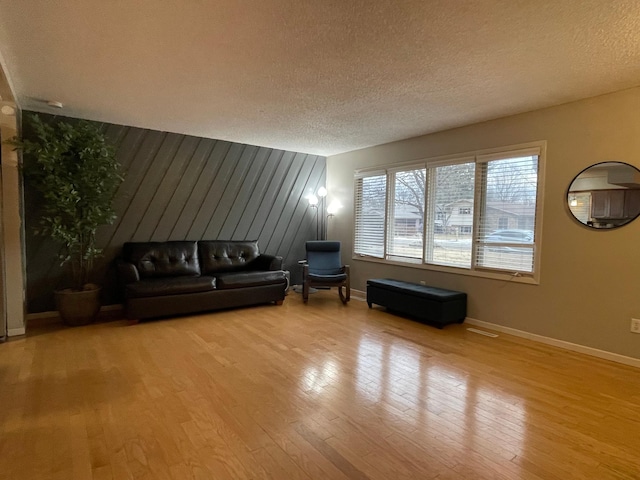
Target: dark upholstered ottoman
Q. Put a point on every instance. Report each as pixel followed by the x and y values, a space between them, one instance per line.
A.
pixel 435 306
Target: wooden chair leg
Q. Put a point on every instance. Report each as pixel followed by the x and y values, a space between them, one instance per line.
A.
pixel 347 282
pixel 342 297
pixel 305 283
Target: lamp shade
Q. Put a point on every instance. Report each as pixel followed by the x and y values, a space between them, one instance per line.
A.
pixel 333 207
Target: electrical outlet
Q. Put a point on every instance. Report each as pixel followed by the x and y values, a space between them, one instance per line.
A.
pixel 635 325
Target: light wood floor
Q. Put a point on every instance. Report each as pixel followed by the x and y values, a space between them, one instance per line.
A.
pixel 320 391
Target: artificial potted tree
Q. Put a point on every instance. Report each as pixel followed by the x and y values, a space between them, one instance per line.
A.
pixel 75 170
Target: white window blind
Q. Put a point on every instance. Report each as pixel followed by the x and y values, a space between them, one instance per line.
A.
pixel 474 212
pixel 450 215
pixel 370 214
pixel 406 216
pixel 505 234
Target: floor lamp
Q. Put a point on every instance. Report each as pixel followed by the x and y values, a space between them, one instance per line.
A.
pixel 317 201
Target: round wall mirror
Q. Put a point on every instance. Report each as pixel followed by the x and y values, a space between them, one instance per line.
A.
pixel 605 195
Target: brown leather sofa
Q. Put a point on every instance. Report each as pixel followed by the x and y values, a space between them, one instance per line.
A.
pixel 162 279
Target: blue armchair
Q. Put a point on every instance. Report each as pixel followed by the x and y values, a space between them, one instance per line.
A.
pixel 323 268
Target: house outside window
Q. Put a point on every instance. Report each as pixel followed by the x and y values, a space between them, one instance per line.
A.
pixel 475 213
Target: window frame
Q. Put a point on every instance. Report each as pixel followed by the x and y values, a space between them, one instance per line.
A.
pixel 478 157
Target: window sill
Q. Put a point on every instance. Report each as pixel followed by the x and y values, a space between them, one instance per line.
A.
pixel 514 277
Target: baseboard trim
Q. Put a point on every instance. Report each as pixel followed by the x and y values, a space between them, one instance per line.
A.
pixel 574 347
pixel 15 332
pixel 41 315
pixel 358 295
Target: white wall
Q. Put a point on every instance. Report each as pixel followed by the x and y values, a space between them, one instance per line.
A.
pixel 11 238
pixel 590 279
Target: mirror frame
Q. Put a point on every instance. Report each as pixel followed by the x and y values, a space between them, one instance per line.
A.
pixel 601 225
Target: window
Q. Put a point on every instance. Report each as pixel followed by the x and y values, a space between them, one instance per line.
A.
pixel 370 210
pixel 509 192
pixel 406 216
pixel 450 200
pixel 476 213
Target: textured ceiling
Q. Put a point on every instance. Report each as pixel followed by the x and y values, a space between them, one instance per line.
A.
pixel 324 76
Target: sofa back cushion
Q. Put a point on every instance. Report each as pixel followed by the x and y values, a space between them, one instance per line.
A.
pixel 162 259
pixel 218 256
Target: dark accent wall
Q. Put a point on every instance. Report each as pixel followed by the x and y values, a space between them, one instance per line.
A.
pixel 179 187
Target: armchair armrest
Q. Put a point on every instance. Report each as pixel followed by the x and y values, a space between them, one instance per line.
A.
pixel 127 272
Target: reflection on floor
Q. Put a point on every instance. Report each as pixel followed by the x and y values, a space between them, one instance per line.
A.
pixel 316 391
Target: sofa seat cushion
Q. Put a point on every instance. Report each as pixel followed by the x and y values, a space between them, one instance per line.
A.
pixel 250 279
pixel 155 287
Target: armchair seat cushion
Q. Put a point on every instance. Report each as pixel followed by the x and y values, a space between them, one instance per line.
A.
pixel 324 268
pixel 337 278
pixel 169 286
pixel 250 279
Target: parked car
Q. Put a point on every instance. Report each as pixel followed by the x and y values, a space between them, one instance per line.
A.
pixel 508 236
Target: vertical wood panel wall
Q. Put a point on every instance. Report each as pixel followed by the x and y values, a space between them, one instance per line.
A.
pixel 179 187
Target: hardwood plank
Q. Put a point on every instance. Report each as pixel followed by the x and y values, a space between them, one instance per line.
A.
pixel 309 391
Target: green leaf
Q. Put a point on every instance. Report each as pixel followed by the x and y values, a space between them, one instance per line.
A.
pixel 76 172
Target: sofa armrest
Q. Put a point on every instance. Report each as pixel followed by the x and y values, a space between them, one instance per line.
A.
pixel 127 272
pixel 267 262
